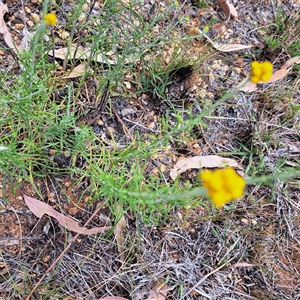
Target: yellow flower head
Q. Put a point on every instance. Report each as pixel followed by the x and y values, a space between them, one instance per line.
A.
pixel 261 71
pixel 223 185
pixel 50 19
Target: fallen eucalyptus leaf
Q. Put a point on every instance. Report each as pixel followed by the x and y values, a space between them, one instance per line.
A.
pixel 78 71
pixel 229 47
pixel 40 208
pixel 197 162
pixel 228 10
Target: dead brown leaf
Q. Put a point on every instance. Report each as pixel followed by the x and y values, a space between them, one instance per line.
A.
pixel 228 10
pixel 229 47
pixel 197 162
pixel 86 54
pixel 159 292
pixel 4 30
pixel 40 208
pixel 78 71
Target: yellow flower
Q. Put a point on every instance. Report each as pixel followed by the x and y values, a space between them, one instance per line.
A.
pixel 223 185
pixel 50 19
pixel 261 71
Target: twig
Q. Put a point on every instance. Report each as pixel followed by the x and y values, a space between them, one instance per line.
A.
pixel 61 255
pixel 122 123
pixel 209 145
pixel 140 125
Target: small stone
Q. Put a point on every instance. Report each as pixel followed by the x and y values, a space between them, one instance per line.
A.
pixel 81 17
pixel 67 184
pixel 85 7
pixel 19 26
pixel 30 23
pixel 110 130
pixel 237 70
pixel 253 222
pixel 127 84
pixel 35 18
pixel 244 221
pixel 64 34
pixel 73 211
pixel 162 168
pixel 34 1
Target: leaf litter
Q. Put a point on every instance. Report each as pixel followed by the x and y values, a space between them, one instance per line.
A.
pixel 40 208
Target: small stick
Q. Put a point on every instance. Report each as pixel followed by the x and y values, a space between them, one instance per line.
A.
pixel 61 255
pixel 122 123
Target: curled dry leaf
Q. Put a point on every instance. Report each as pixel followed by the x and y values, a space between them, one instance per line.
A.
pixel 197 162
pixel 228 9
pixel 40 208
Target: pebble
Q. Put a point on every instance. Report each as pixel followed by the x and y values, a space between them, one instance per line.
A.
pixel 34 1
pixel 244 221
pixel 81 17
pixel 237 70
pixel 30 23
pixel 19 26
pixel 36 18
pixel 64 34
pixel 254 222
pixel 85 7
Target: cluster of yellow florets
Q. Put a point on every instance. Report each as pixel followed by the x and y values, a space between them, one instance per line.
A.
pixel 223 185
pixel 50 19
pixel 261 71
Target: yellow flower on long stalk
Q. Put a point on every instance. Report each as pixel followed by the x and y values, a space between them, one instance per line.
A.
pixel 261 71
pixel 223 185
pixel 50 19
